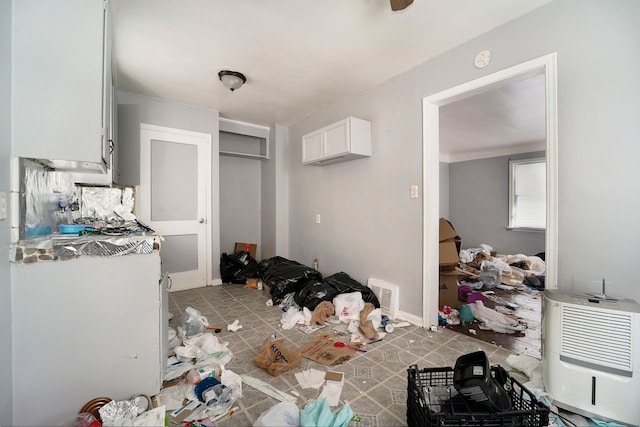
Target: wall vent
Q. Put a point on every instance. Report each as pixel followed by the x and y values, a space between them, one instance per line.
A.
pixel 388 294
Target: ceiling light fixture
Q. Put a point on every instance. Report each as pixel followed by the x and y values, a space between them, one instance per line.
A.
pixel 232 80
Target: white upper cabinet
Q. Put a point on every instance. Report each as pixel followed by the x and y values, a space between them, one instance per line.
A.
pixel 60 79
pixel 345 140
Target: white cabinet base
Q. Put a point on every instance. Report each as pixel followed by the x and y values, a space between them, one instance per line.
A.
pixel 84 328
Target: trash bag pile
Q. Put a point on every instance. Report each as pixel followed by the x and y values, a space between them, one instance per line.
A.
pixel 238 267
pixel 284 276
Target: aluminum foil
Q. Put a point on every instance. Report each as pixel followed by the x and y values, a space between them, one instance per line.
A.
pixel 103 246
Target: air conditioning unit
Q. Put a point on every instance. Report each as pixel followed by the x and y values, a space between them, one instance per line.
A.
pixel 591 355
pixel 388 295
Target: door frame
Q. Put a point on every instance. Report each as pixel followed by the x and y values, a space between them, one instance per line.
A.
pixel 143 198
pixel 431 166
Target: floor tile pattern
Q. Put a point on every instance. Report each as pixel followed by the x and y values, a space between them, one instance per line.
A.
pixel 375 382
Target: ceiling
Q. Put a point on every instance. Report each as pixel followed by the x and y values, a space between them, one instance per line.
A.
pixel 302 55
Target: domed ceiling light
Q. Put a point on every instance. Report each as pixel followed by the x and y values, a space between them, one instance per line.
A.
pixel 232 80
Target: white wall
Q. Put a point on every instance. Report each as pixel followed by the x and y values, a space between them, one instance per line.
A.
pixel 6 349
pixel 240 202
pixel 370 227
pixel 479 206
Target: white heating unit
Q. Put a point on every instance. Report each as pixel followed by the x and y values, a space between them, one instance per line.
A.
pixel 388 296
pixel 591 355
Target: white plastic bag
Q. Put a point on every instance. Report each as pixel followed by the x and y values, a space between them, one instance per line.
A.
pixel 494 320
pixel 291 318
pixel 208 349
pixel 192 322
pixel 283 414
pixel 348 305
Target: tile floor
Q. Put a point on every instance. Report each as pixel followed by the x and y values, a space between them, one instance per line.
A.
pixel 375 381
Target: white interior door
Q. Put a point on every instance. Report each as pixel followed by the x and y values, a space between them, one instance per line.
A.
pixel 173 199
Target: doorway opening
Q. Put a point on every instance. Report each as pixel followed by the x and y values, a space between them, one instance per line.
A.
pixel 546 66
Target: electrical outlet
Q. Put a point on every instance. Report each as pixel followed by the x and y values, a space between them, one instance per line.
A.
pixel 318 218
pixel 413 191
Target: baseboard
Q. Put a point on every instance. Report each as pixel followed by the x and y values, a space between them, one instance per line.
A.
pixel 411 318
pixel 215 282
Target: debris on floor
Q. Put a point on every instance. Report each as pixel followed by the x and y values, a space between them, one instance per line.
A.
pixel 276 358
pixel 322 349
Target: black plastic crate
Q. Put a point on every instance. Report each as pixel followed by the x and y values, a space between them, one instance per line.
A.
pixel 432 400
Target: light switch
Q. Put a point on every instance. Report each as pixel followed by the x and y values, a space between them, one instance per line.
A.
pixel 3 205
pixel 413 191
pixel 318 218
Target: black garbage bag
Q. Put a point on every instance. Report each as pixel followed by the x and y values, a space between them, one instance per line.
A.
pixel 284 276
pixel 238 267
pixel 313 293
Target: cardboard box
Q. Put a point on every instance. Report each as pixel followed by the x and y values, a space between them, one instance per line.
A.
pixel 321 349
pixel 334 377
pixel 247 247
pixel 449 246
pixel 447 232
pixel 448 289
pixel 449 255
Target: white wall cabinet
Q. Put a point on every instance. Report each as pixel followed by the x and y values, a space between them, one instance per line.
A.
pixel 347 139
pixel 61 82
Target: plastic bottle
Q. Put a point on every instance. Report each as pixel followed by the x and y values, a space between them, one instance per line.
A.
pixel 196 375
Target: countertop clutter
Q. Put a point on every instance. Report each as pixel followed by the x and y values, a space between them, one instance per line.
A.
pixel 100 239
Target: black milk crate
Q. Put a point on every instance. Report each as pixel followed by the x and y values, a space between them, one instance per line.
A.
pixel 432 400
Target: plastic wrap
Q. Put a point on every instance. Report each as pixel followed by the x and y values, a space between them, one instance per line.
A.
pixel 284 276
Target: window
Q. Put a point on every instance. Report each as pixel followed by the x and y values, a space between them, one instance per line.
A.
pixel 528 193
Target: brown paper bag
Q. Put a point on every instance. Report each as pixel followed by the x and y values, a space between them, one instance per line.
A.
pixel 276 358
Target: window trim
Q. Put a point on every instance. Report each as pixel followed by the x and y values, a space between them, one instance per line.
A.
pixel 512 184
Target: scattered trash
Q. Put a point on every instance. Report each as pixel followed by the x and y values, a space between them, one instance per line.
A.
pixel 332 388
pixel 493 320
pixel 322 312
pixel 472 331
pixel 448 316
pixel 321 349
pixel 84 419
pixel 267 389
pixel 311 378
pixel 309 329
pixel 192 322
pixel 284 276
pixel 276 358
pixel 348 306
pixel 282 414
pixel 238 267
pixel 531 367
pixel 124 412
pixel 227 415
pixel 195 376
pixel 235 326
pixel 318 413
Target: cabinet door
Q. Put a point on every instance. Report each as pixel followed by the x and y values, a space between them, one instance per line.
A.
pixel 57 74
pixel 336 139
pixel 312 148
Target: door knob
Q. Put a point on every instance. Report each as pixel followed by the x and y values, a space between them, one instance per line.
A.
pixel 201 220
